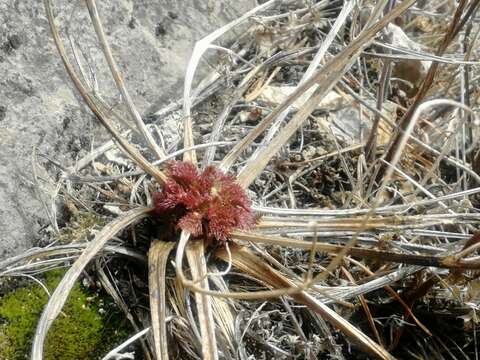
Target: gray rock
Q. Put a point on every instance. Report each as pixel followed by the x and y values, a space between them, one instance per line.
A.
pixel 39 108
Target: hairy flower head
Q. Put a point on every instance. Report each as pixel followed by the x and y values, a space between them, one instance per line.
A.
pixel 210 203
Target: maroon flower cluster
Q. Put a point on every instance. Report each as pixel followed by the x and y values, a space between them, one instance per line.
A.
pixel 208 203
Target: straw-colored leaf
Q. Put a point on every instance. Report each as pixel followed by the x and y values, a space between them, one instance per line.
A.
pixel 223 311
pixel 157 261
pixel 123 143
pixel 196 259
pixel 380 255
pixel 249 263
pixel 324 78
pixel 200 48
pixel 92 9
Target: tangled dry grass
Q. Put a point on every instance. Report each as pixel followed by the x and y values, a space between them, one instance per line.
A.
pixel 358 148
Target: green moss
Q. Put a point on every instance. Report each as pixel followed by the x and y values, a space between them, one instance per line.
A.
pixel 80 332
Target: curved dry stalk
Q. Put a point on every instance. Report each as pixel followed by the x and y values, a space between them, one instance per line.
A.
pixel 69 250
pixel 193 285
pixel 223 313
pixel 401 142
pixel 268 294
pixel 60 295
pixel 449 262
pixel 392 209
pixel 372 223
pixel 157 264
pixel 402 53
pixel 324 78
pixel 200 47
pixel 394 295
pixel 448 143
pixel 366 308
pixel 198 267
pixel 117 298
pixel 97 24
pixel 123 143
pixel 114 354
pixel 409 117
pixel 249 263
pixel 317 59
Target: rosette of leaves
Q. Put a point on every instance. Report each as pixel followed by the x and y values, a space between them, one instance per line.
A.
pixel 210 204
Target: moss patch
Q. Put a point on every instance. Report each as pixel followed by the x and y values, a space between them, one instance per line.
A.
pixel 80 332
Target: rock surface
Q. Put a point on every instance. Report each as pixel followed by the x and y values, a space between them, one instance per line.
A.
pixel 39 108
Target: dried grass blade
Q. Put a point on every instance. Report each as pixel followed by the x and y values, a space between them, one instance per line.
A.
pixel 397 297
pixel 177 298
pixel 196 258
pixel 97 24
pixel 248 262
pixel 34 257
pixel 115 353
pixel 366 309
pixel 317 59
pixel 184 334
pixel 409 117
pixel 60 295
pixel 123 143
pixel 222 309
pixel 157 261
pixel 325 78
pixel 448 262
pixel 113 292
pixel 200 48
pixel 225 322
